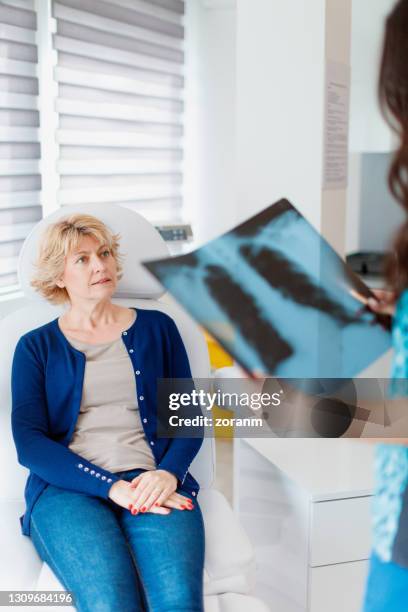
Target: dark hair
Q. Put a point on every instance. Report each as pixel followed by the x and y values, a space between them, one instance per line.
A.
pixel 393 95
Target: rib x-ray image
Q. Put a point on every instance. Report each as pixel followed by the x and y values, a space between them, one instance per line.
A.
pixel 278 298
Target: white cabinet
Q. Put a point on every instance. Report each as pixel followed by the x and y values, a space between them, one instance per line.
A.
pixel 341 585
pixel 306 506
pixel 339 530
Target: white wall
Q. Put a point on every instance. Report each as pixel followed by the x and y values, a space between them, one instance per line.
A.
pixel 372 214
pixel 279 68
pixel 279 104
pixel 227 59
pixel 368 131
pixel 210 118
pixel 283 49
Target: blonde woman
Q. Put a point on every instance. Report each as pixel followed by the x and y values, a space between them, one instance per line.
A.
pixel 111 507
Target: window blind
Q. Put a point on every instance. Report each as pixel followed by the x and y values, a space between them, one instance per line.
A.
pixel 120 82
pixel 20 181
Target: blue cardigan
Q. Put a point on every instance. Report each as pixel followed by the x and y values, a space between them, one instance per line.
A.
pixel 47 379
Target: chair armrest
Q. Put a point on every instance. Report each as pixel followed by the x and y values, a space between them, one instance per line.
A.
pixel 19 561
pixel 229 555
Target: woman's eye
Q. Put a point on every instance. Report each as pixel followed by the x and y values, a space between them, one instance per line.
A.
pixel 81 259
pixel 106 253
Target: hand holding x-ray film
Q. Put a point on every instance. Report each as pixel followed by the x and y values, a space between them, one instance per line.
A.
pixel 278 298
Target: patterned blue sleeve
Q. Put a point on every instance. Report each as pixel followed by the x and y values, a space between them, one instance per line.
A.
pixel 399 372
pixel 391 460
pixel 391 470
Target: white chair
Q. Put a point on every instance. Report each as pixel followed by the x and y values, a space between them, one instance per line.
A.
pixel 229 573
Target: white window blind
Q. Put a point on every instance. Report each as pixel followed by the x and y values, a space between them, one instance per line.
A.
pixel 120 82
pixel 20 181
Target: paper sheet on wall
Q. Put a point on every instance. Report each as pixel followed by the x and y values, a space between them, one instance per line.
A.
pixel 336 126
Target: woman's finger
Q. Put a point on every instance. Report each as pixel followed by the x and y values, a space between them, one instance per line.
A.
pixel 384 295
pixel 164 496
pixel 136 481
pixel 177 504
pixel 153 510
pixel 182 497
pixel 176 500
pixel 159 510
pixel 140 496
pixel 151 499
pixel 169 503
pixel 381 307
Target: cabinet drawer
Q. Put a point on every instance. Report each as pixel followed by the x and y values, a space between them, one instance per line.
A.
pixel 338 588
pixel 340 531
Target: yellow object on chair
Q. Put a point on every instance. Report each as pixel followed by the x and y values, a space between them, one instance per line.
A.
pixel 219 359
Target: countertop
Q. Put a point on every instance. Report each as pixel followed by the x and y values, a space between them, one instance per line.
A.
pixel 325 468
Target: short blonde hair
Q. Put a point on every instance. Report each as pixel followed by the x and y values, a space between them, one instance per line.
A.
pixel 61 238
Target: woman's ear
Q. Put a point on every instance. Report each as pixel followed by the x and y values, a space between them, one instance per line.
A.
pixel 60 283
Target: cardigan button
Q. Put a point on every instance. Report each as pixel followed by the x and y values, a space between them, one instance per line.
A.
pixel 144 420
pixel 103 478
pixel 125 333
pixel 86 469
pixel 80 465
pixel 141 397
pixel 109 480
pixel 130 350
pixel 138 372
pixel 97 475
pixel 152 443
pixel 92 472
pixel 193 493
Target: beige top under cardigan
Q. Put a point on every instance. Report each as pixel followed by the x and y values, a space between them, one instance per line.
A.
pixel 108 431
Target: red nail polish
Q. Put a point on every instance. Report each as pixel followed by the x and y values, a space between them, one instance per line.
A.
pixel 183 507
pixel 156 504
pixel 143 509
pixel 134 511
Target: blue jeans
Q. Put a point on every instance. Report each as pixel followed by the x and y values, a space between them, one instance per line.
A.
pixel 112 560
pixel 387 587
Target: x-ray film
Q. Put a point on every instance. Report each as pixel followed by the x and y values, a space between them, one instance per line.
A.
pixel 278 298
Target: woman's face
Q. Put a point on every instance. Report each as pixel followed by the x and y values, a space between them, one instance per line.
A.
pixel 90 271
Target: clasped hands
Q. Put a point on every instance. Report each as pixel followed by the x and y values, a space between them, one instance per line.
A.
pixel 152 491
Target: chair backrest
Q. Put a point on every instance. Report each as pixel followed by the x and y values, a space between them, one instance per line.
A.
pixel 139 241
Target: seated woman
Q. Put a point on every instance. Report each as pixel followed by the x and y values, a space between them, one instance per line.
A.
pixel 109 503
